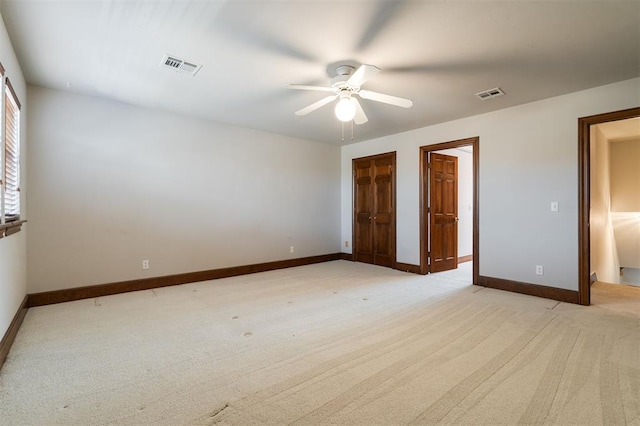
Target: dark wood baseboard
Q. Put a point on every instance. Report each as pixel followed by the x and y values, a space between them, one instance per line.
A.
pixel 467 258
pixel 563 295
pixel 407 267
pixel 88 292
pixel 12 331
pixel 346 256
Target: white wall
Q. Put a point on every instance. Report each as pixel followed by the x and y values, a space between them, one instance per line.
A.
pixel 625 175
pixel 465 199
pixel 625 200
pixel 604 255
pixel 626 228
pixel 113 184
pixel 528 158
pixel 13 254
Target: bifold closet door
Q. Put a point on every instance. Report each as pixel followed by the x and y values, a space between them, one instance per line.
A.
pixel 374 209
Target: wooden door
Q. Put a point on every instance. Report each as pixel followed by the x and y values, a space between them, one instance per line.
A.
pixel 443 212
pixel 374 210
pixel 383 212
pixel 363 210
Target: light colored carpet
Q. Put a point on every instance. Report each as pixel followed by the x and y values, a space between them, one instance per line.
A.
pixel 333 343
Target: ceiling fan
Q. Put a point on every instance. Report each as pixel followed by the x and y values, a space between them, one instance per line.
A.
pixel 345 87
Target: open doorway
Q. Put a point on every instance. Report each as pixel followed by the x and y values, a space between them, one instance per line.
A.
pixel 441 227
pixel 598 218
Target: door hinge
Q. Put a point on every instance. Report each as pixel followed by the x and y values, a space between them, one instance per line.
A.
pixel 429 254
pixel 428 165
pixel 428 209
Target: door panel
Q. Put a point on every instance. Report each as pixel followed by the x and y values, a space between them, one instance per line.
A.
pixel 443 212
pixel 383 209
pixel 374 210
pixel 363 211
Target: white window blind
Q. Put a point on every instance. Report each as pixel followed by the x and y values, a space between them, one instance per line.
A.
pixel 11 178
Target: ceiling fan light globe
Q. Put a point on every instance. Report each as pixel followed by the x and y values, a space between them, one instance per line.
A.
pixel 345 109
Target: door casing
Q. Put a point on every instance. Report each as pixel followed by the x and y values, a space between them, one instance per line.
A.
pixel 424 197
pixel 584 194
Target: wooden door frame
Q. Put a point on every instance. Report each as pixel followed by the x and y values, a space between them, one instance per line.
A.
pixel 424 197
pixel 584 194
pixel 354 248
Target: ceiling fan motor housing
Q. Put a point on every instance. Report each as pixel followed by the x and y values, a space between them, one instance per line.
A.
pixel 343 72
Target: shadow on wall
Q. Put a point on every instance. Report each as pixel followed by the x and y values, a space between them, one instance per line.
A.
pixel 630 276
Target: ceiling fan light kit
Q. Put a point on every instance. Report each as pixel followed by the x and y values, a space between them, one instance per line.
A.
pixel 345 108
pixel 345 86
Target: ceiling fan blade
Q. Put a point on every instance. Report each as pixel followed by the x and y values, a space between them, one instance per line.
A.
pixel 314 106
pixel 387 12
pixel 360 117
pixel 387 99
pixel 362 74
pixel 318 88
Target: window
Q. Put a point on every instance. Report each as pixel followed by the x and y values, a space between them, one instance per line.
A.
pixel 11 170
pixel 9 159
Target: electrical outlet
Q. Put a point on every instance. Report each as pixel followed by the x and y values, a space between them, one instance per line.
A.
pixel 555 207
pixel 292 249
pixel 346 243
pixel 145 264
pixel 539 270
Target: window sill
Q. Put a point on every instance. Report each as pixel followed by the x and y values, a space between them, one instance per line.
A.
pixel 11 228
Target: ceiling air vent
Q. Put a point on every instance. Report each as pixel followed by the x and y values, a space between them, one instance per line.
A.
pixel 490 94
pixel 180 65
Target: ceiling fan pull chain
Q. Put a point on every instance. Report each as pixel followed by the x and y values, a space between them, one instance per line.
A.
pixel 351 129
pixel 342 122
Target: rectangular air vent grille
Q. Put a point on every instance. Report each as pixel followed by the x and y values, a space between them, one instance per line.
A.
pixel 180 65
pixel 490 94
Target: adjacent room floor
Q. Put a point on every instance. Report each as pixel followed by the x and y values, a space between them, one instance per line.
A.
pixel 332 343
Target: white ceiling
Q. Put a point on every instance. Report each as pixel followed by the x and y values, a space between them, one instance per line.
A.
pixel 437 53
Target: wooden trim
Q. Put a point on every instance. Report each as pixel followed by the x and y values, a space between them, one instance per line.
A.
pixel 584 193
pixel 13 93
pixel 78 293
pixel 407 267
pixel 346 256
pixel 563 295
pixel 12 331
pixel 424 192
pixel 463 259
pixel 354 242
pixel 394 216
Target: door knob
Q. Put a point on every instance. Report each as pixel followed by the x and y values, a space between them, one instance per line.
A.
pixel 457 219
